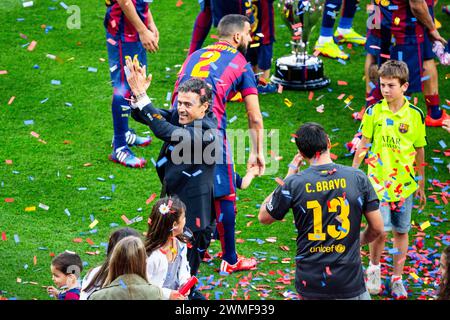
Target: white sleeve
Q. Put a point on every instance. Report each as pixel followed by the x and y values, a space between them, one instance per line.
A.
pixel 141 103
pixel 154 274
pixel 166 293
pixel 151 269
pixel 84 295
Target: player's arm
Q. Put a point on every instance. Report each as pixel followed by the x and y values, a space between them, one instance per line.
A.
pixel 374 227
pixel 147 37
pixel 152 26
pixel 277 204
pixel 255 124
pixel 361 152
pixel 264 216
pixel 419 9
pixel 420 159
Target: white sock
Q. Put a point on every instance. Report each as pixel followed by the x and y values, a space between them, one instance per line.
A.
pixel 323 39
pixel 343 31
pixel 371 265
pixel 397 278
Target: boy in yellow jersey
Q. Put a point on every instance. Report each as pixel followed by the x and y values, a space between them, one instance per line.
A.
pixel 393 132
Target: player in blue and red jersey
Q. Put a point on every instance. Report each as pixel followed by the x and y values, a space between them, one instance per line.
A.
pixel 261 50
pixel 224 67
pixel 405 33
pixel 435 116
pixel 130 31
pixel 211 11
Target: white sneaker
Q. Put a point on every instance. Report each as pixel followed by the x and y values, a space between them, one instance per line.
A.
pixel 373 283
pixel 398 291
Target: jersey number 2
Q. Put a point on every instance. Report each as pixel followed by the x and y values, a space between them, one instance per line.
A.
pixel 211 56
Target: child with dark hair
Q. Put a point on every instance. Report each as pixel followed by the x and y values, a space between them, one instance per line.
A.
pixel 444 291
pixel 66 269
pixel 167 264
pixel 96 277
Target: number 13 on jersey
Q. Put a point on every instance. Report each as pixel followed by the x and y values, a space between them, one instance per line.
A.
pixel 337 233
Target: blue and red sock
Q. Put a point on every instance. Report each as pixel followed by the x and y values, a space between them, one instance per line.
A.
pixel 348 13
pixel 225 224
pixel 432 101
pixel 330 11
pixel 120 113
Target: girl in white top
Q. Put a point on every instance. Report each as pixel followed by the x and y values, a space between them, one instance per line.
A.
pixel 95 278
pixel 167 264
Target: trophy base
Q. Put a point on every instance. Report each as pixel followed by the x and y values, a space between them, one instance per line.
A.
pixel 300 72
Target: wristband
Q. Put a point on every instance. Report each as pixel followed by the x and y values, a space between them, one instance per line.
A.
pixel 141 101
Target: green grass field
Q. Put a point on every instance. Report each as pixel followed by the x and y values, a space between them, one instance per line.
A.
pixel 66 168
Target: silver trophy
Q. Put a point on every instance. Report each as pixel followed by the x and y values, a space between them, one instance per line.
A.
pixel 300 71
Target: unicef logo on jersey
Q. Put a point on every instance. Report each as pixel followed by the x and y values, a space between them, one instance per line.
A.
pixel 339 248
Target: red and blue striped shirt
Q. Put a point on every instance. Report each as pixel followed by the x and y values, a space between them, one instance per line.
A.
pixel 264 17
pixel 118 25
pixel 398 18
pixel 225 69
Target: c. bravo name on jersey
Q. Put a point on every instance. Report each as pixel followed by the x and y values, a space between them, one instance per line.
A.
pixel 326 185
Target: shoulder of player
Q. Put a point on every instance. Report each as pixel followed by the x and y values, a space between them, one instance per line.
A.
pixel 300 177
pixel 374 107
pixel 348 171
pixel 417 110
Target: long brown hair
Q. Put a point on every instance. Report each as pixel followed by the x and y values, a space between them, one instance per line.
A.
pixel 128 257
pixel 161 224
pixel 99 279
pixel 444 292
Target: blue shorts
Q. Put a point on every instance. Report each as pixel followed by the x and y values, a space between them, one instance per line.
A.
pixel 220 8
pixel 428 53
pixel 398 219
pixel 117 53
pixel 261 56
pixel 373 44
pixel 224 176
pixel 412 55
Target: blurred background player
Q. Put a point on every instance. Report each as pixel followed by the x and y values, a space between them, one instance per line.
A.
pixel 130 31
pixel 211 11
pixel 406 34
pixel 223 66
pixel 326 45
pixel 260 51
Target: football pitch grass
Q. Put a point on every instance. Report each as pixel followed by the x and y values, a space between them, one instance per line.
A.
pixel 56 179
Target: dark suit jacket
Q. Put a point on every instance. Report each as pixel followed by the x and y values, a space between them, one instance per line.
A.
pixel 192 181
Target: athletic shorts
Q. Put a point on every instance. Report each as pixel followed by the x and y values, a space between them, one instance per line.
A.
pixel 224 176
pixel 221 8
pixel 412 55
pixel 428 53
pixel 118 50
pixel 261 56
pixel 373 44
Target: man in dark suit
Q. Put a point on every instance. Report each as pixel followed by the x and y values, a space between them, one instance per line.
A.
pixel 187 159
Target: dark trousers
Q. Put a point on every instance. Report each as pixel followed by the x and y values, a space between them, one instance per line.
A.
pixel 200 243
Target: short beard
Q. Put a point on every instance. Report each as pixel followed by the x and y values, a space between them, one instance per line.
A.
pixel 242 48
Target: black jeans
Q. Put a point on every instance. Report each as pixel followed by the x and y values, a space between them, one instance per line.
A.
pixel 200 243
